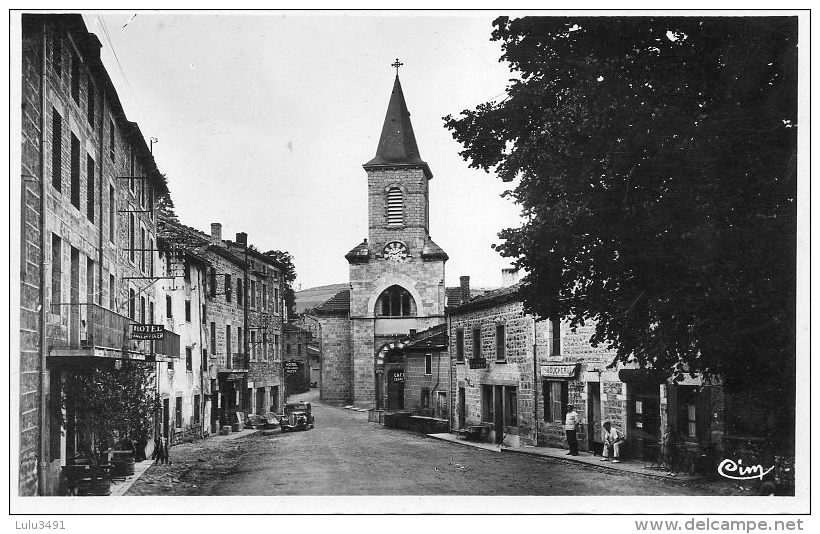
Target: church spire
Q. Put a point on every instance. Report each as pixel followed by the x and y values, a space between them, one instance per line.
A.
pixel 397 144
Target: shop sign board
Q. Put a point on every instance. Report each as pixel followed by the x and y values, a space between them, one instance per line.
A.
pixel 559 371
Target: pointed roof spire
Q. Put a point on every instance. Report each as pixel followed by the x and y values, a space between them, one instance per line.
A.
pixel 397 144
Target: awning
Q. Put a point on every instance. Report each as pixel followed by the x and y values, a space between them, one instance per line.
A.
pixel 567 370
pixel 649 376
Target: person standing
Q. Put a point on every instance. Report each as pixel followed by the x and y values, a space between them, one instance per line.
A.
pixel 613 438
pixel 571 428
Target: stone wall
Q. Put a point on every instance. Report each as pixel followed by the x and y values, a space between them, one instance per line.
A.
pixel 336 359
pixel 31 255
pixel 415 379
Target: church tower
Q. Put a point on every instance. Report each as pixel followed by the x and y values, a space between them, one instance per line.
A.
pixel 397 273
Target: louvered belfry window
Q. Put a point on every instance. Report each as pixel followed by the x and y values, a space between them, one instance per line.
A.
pixel 395 207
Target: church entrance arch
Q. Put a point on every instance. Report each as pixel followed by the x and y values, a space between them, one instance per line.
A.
pixel 389 379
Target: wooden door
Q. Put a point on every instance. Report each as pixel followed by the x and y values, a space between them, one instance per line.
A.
pixel 395 389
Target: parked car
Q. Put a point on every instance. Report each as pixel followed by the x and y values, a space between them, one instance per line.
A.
pixel 297 416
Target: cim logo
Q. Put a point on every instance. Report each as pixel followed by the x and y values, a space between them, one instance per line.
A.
pixel 737 471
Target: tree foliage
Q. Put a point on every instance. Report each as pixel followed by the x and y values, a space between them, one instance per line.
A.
pixel 110 403
pixel 654 160
pixel 289 275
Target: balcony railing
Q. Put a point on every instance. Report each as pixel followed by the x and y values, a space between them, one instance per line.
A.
pixel 90 326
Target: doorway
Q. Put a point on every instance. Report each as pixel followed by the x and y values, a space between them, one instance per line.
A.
pixel 594 421
pixel 395 389
pixel 644 412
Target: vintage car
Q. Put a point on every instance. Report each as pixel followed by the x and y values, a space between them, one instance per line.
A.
pixel 297 416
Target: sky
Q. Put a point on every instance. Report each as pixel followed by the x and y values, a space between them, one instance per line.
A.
pixel 263 122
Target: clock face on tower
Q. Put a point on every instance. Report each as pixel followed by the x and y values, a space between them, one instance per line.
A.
pixel 395 251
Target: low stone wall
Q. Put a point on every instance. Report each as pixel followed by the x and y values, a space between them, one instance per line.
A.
pixel 416 423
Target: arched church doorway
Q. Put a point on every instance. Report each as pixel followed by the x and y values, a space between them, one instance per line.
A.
pixel 390 365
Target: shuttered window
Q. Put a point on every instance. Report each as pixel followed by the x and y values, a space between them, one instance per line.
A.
pixel 395 207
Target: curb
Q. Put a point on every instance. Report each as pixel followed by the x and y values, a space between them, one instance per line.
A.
pixel 604 465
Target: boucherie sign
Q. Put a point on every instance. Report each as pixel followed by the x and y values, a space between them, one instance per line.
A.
pixel 146 331
pixel 559 371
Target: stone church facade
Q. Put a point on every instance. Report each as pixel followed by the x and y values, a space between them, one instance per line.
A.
pixel 396 275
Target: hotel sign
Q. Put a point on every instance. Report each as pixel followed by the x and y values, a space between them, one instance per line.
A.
pixel 147 331
pixel 559 371
pixel 291 367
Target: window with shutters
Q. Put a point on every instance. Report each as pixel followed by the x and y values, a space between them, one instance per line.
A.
pixel 56 150
pixel 75 171
pixel 395 207
pixel 89 196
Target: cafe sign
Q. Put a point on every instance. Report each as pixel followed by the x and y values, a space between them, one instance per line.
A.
pixel 397 376
pixel 291 367
pixel 559 371
pixel 147 331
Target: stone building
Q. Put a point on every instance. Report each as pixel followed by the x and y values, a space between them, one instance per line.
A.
pixel 492 344
pixel 88 250
pixel 517 373
pixel 263 305
pixel 242 324
pixel 184 386
pixel 296 358
pixel 396 273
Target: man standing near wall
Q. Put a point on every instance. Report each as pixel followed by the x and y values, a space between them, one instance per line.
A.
pixel 571 427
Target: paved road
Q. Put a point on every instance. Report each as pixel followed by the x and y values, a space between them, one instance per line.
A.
pixel 346 455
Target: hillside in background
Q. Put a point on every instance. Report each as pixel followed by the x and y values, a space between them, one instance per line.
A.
pixel 312 297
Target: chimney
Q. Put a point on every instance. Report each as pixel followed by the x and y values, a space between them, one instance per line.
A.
pixel 509 276
pixel 242 239
pixel 216 233
pixel 465 288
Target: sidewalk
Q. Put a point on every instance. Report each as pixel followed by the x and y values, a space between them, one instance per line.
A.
pixel 120 486
pixel 627 466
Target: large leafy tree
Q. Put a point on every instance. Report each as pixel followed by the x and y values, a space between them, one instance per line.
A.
pixel 654 160
pixel 289 275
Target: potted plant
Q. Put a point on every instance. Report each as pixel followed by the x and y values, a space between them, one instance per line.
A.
pixel 107 405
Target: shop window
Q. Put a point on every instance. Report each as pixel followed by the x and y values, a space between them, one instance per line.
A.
pixel 487 407
pixel 510 406
pixel 556 397
pixel 687 401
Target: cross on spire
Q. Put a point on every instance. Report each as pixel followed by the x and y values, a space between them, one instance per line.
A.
pixel 397 64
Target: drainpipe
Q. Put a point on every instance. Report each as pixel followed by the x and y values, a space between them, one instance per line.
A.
pixel 41 463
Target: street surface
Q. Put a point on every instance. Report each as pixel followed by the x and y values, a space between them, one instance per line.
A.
pixel 346 455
